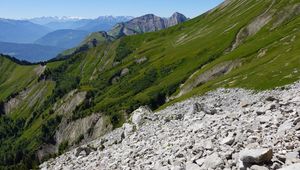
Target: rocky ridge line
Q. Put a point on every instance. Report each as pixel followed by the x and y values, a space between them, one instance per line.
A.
pixel 224 129
pixel 146 23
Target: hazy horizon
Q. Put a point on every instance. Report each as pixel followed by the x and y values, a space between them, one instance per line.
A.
pixel 89 9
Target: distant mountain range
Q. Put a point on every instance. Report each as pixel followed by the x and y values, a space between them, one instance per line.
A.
pixel 43 38
pixel 21 31
pixel 102 23
pixel 49 35
pixel 139 25
pixel 48 19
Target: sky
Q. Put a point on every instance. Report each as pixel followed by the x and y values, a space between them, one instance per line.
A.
pixel 18 9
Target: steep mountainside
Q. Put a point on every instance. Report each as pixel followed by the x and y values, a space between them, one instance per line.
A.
pixel 13 73
pixel 19 31
pixel 63 38
pixel 241 43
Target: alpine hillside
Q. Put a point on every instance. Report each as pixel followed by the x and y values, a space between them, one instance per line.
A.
pixel 50 108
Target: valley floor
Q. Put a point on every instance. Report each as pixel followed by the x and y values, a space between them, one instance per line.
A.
pixel 224 129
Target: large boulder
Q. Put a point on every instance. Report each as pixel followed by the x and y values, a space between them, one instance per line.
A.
pixel 250 157
pixel 124 72
pixel 138 116
pixel 83 151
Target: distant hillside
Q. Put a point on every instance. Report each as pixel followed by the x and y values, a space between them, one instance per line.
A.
pixel 19 31
pixel 29 52
pixel 63 38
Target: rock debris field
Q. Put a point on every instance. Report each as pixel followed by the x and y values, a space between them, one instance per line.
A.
pixel 224 129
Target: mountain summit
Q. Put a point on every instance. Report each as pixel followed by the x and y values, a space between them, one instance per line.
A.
pixel 146 23
pixel 175 19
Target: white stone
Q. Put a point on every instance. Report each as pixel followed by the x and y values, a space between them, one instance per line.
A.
pixel 191 166
pixel 138 116
pixel 228 140
pixel 292 167
pixel 211 162
pixel 128 129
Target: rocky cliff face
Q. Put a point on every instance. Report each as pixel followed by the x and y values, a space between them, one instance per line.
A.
pixel 224 129
pixel 146 23
pixel 175 19
pixel 74 132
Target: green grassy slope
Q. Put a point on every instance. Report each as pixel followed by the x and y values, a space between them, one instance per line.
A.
pixel 14 77
pixel 147 69
pixel 176 53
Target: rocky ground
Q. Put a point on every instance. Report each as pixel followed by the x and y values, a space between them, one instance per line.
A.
pixel 224 129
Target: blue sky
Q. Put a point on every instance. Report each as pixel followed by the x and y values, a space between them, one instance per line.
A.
pixel 93 8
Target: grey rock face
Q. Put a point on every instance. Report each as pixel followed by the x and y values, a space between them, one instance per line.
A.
pixel 146 23
pixel 175 19
pixel 183 136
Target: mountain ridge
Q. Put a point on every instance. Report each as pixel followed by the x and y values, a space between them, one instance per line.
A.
pixel 119 30
pixel 146 23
